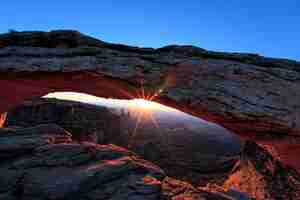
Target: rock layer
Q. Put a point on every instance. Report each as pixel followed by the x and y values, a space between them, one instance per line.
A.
pixel 232 89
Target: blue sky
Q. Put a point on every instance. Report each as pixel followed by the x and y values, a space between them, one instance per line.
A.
pixel 270 28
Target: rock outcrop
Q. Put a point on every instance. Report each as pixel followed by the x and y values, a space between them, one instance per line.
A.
pixel 246 93
pixel 254 170
pixel 204 154
pixel 265 175
pixel 42 163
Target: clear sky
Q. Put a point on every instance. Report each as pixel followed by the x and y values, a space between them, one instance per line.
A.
pixel 268 27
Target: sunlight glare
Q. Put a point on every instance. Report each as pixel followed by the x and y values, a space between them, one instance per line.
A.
pixel 134 104
pixel 145 104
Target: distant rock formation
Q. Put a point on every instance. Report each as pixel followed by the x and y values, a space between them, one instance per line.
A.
pixel 86 122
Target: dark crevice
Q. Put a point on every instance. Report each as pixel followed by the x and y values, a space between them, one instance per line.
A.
pixel 19 190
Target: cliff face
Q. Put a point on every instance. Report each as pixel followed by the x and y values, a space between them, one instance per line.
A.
pixel 245 93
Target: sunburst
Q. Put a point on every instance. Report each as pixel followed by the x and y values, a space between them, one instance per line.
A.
pixel 144 106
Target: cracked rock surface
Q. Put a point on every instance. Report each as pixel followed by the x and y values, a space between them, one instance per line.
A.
pixel 246 93
pixel 53 167
pixel 197 152
pixel 48 166
pixel 232 89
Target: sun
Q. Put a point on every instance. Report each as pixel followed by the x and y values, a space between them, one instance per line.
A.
pixel 144 104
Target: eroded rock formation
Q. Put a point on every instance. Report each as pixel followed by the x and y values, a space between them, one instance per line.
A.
pixel 42 163
pixel 265 175
pixel 246 93
pixel 205 154
pixel 232 89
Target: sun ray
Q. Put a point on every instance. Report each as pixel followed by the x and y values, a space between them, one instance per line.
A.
pixel 143 90
pixel 127 94
pixel 152 118
pixel 132 136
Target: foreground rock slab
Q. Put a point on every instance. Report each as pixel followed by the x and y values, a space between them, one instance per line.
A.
pixel 53 168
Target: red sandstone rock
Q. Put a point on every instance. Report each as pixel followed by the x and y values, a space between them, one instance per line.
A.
pixel 243 92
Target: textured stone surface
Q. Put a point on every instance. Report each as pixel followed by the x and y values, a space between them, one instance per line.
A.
pixel 245 93
pixel 59 169
pixel 256 171
pixel 86 122
pixel 199 155
pixel 20 141
pixel 234 90
pixel 265 175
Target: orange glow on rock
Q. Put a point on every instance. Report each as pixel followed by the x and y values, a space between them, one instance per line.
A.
pixel 2 119
pixel 149 180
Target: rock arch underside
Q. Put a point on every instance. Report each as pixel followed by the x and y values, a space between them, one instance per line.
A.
pixel 248 94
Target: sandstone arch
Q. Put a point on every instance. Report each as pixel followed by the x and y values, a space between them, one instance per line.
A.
pixel 245 93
